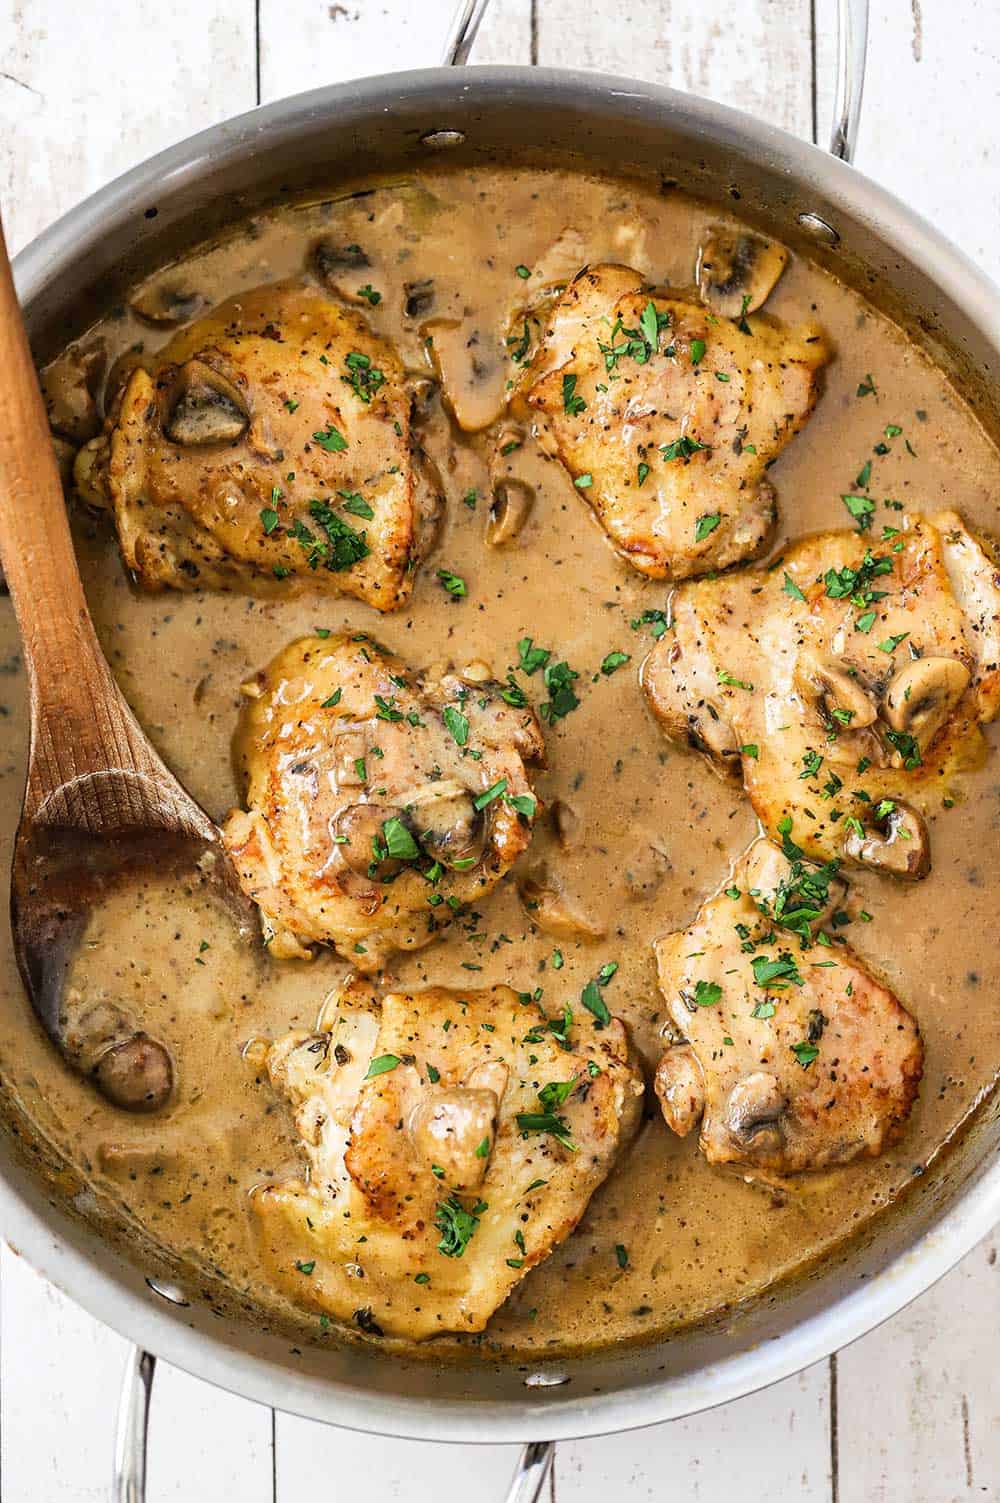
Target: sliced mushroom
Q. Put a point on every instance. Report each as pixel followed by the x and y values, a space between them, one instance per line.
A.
pixel 204 408
pixel 88 472
pixel 71 386
pixel 567 824
pixel 136 1075
pixel 833 689
pixel 345 269
pixel 470 369
pixel 680 1087
pixel 753 1113
pixel 419 298
pixel 129 360
pixel 509 509
pixel 737 271
pixel 166 305
pixel 360 834
pixel 448 825
pixel 921 697
pixel 133 1070
pixel 453 1129
pixel 554 912
pixel 899 844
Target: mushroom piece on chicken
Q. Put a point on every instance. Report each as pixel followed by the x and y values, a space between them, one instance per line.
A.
pixel 846 686
pixel 790 1054
pixel 268 446
pixel 380 801
pixel 452 1142
pixel 666 417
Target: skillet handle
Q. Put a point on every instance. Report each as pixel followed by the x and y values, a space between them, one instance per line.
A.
pixel 128 1483
pixel 533 1468
pixel 852 49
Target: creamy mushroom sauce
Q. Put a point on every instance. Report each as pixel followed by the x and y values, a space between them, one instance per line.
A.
pixel 653 830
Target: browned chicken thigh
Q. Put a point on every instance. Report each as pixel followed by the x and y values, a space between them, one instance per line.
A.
pixel 453 1142
pixel 269 445
pixel 380 801
pixel 846 686
pixel 787 1053
pixel 665 416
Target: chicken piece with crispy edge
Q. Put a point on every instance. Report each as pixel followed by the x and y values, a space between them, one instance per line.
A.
pixel 665 417
pixel 381 801
pixel 789 1053
pixel 454 1140
pixel 847 685
pixel 269 446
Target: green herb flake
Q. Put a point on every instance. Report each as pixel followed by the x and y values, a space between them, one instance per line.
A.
pixel 706 525
pixel 381 1065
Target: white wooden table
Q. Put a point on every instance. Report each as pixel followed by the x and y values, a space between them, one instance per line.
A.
pixel 911 1414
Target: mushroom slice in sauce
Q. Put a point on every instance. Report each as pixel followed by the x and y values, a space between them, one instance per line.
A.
pixel 166 304
pixel 204 407
pixel 737 271
pixel 844 684
pixel 789 1065
pixel 347 841
pixel 452 1151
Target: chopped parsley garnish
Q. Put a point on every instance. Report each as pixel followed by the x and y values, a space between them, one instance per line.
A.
pixel 583 482
pixel 334 699
pixel 907 746
pixel 642 471
pixel 457 724
pixel 697 351
pixel 531 658
pixel 706 525
pixel 399 843
pixel 776 974
pixel 457 1225
pixel 707 993
pixel 621 1254
pixel 490 794
pixel 733 683
pixel 269 520
pixel 891 643
pixel 558 679
pixel 861 509
pixel 764 1009
pixel 342 547
pixel 381 1065
pixel 866 622
pixel 356 504
pixel 523 272
pixel 370 295
pixel 518 345
pixel 453 583
pixel 362 377
pixel 805 1052
pixel 330 439
pixel 572 404
pixel 681 448
pixel 791 588
pixel 866 388
pixel 613 661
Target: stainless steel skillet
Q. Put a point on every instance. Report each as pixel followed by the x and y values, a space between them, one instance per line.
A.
pixel 825 210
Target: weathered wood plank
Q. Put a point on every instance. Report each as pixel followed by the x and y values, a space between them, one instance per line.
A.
pixel 771 1445
pixel 918 1404
pixel 928 123
pixel 80 102
pixel 756 56
pixel 315 1461
pixel 307 43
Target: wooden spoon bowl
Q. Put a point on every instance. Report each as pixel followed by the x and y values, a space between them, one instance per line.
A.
pixel 100 807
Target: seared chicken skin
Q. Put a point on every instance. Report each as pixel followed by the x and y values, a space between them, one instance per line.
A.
pixel 846 685
pixel 453 1143
pixel 665 417
pixel 269 445
pixel 789 1054
pixel 380 801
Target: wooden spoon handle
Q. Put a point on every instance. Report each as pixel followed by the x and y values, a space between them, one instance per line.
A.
pixel 79 721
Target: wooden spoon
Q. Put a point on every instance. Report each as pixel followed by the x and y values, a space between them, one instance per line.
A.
pixel 100 808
